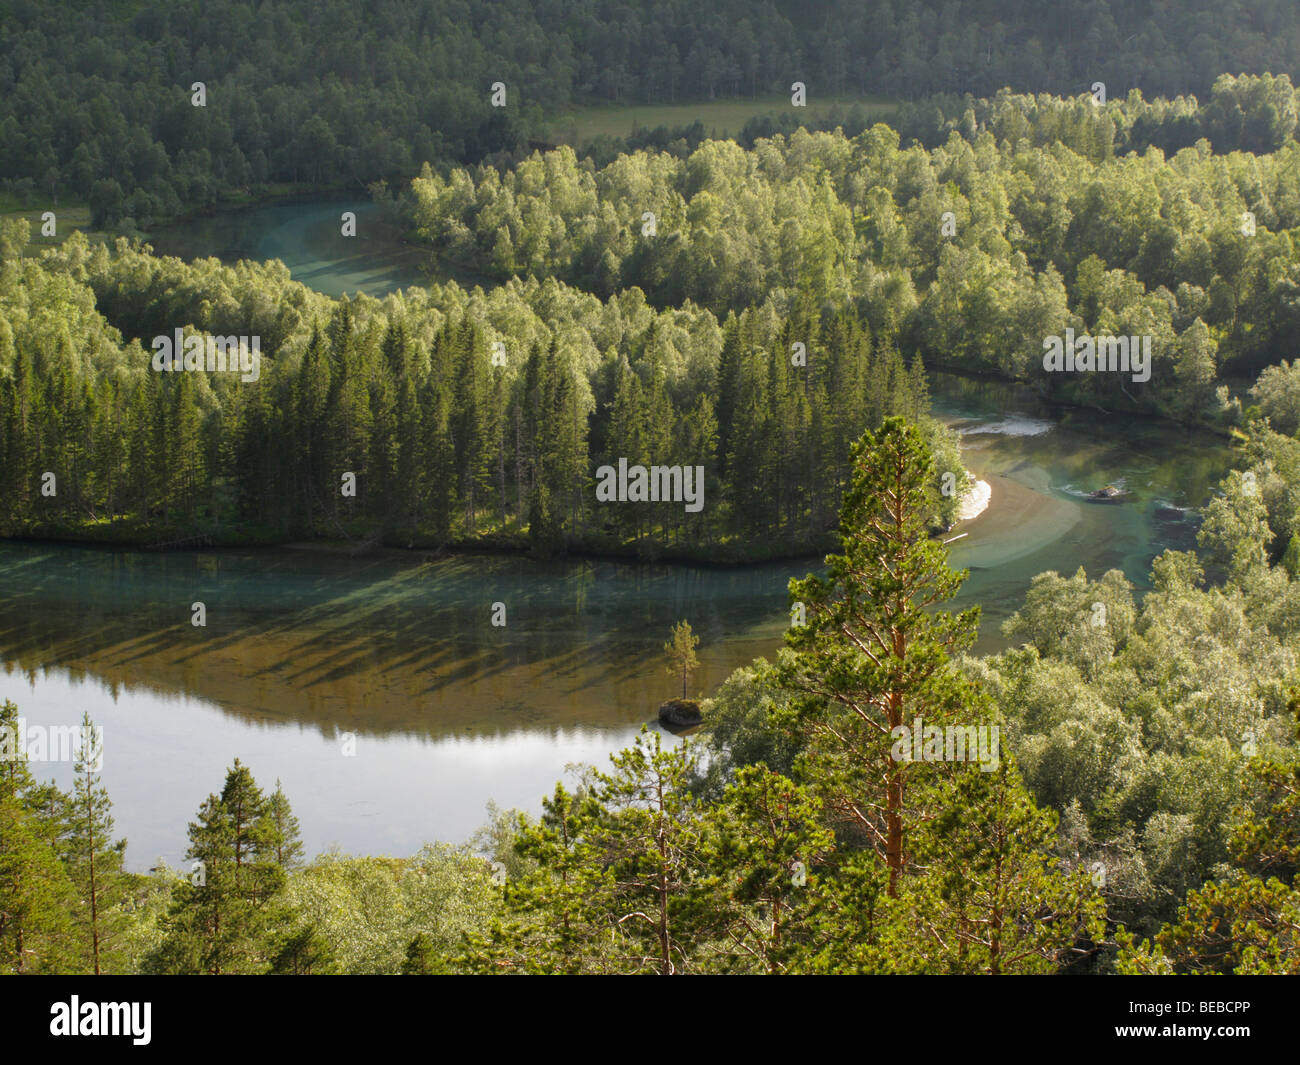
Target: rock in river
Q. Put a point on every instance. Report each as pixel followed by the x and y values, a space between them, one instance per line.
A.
pixel 680 713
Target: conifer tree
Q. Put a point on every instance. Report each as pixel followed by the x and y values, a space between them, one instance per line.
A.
pixel 35 894
pixel 93 859
pixel 762 849
pixel 607 884
pixel 556 910
pixel 992 899
pixel 680 649
pixel 874 655
pixel 222 918
pixel 284 840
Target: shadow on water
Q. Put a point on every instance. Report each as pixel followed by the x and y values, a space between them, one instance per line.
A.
pixel 383 646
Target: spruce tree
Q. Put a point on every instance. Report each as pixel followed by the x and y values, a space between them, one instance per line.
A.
pixel 285 842
pixel 35 893
pixel 93 858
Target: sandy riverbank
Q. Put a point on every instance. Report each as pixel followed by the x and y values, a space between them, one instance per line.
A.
pixel 974 502
pixel 1019 516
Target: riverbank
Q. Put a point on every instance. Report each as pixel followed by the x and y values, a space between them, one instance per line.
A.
pixel 976 501
pixel 509 545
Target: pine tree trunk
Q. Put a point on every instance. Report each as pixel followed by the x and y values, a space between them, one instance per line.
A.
pixel 94 891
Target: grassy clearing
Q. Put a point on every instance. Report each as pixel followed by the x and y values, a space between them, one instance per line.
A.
pixel 722 118
pixel 69 217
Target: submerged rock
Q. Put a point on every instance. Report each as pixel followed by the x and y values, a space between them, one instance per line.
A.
pixel 1109 494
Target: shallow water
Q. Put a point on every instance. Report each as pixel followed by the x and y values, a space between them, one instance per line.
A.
pixel 1041 464
pixel 308 238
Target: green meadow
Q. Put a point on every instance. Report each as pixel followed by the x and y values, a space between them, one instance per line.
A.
pixel 721 118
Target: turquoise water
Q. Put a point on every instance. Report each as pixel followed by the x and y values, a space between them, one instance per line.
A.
pixel 308 238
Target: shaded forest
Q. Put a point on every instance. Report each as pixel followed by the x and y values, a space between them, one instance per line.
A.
pixel 449 438
pixel 95 99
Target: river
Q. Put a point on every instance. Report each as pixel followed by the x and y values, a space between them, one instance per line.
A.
pixel 308 238
pixel 379 693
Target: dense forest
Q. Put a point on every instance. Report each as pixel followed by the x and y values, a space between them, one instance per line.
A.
pixel 793 837
pixel 96 100
pixel 449 438
pixel 744 311
pixel 1034 215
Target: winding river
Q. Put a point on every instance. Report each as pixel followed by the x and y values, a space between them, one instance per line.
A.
pixel 377 690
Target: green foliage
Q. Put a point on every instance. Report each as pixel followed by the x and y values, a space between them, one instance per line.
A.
pixel 762 850
pixel 742 725
pixel 1234 532
pixel 93 859
pixel 448 442
pixel 223 918
pixel 857 861
pixel 609 890
pixel 364 913
pixel 680 649
pixel 1055 225
pixel 36 893
pixel 1244 921
pixel 1137 723
pixel 329 100
pixel 873 655
pixel 1277 391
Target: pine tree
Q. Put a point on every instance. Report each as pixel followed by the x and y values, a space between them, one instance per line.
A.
pixel 557 918
pixel 35 894
pixel 680 649
pixel 761 850
pixel 223 917
pixel 992 899
pixel 873 655
pixel 649 840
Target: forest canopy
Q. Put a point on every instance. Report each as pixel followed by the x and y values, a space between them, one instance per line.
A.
pixel 1022 223
pixel 96 99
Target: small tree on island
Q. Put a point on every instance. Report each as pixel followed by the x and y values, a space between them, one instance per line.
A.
pixel 681 652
